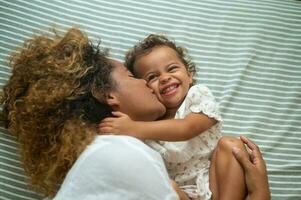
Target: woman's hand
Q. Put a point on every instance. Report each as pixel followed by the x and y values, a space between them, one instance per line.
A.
pixel 255 171
pixel 182 195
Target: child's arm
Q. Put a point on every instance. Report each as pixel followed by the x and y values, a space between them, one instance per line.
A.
pixel 164 130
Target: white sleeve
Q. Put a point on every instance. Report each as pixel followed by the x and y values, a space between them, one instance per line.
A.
pixel 200 99
pixel 117 167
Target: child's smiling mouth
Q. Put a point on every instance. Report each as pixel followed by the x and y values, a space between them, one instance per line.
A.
pixel 169 89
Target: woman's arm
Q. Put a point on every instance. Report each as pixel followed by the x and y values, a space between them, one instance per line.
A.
pixel 165 130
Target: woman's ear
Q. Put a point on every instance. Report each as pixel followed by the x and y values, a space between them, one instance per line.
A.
pixel 112 100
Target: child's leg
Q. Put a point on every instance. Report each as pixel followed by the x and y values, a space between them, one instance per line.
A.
pixel 227 179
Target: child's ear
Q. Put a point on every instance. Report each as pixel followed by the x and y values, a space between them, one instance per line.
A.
pixel 190 78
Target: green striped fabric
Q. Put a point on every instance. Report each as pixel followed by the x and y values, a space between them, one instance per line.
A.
pixel 247 52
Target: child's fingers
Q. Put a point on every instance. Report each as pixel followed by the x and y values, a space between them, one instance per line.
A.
pixel 118 113
pixel 107 119
pixel 105 130
pixel 105 127
pixel 104 124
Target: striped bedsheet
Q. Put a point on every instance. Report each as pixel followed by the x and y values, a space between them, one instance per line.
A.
pixel 247 52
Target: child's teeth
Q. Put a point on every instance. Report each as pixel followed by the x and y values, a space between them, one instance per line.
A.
pixel 169 89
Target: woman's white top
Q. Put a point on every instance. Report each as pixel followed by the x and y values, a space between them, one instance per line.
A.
pixel 188 161
pixel 115 168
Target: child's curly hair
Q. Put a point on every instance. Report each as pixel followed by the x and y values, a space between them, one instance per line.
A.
pixel 52 103
pixel 152 41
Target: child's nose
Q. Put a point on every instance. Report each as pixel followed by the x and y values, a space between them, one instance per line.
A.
pixel 165 78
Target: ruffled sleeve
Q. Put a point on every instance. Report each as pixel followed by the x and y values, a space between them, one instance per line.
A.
pixel 200 100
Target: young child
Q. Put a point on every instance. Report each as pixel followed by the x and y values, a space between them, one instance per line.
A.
pixel 190 130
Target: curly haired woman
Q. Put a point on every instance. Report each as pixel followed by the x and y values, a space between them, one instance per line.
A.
pixel 52 103
pixel 60 88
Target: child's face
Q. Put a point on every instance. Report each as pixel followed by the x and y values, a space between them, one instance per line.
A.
pixel 165 74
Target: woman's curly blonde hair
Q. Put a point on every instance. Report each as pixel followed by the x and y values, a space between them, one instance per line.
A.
pixel 52 103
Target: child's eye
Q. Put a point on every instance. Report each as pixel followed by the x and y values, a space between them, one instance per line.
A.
pixel 151 77
pixel 172 68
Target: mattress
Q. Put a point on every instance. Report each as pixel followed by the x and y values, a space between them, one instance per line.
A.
pixel 247 53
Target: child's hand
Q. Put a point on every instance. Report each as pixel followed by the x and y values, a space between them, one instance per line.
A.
pixel 121 124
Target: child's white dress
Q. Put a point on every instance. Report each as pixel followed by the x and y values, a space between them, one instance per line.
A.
pixel 188 161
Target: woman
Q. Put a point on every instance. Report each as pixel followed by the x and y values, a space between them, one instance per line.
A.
pixel 59 90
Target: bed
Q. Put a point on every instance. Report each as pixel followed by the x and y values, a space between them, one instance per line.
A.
pixel 247 52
